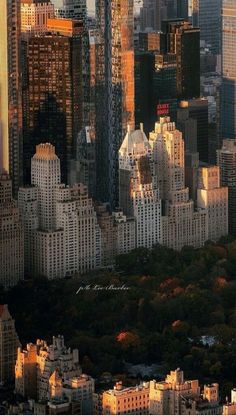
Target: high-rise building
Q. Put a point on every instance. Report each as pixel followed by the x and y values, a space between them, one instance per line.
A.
pixel 226 160
pixel 62 235
pixel 155 87
pixel 34 15
pixel 53 93
pixel 10 91
pixel 11 236
pixel 118 233
pixel 38 362
pixel 195 110
pixel 180 396
pixel 114 90
pixel 214 198
pixel 228 87
pixel 181 224
pixel 71 9
pixel 121 400
pixel 9 343
pixel 184 40
pixel 182 9
pixel 138 193
pixel 153 12
pixel 206 15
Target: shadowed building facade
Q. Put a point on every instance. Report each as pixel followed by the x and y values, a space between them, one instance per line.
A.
pixel 9 343
pixel 228 87
pixel 114 90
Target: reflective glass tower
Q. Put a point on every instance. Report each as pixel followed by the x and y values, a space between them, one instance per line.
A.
pixel 228 88
pixel 10 91
pixel 114 90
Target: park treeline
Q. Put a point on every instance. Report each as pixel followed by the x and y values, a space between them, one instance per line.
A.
pixel 175 309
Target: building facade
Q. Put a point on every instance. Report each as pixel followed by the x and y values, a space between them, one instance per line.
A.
pixel 53 92
pixel 214 198
pixel 114 90
pixel 226 160
pixel 36 364
pixel 11 236
pixel 9 342
pixel 196 110
pixel 181 223
pixel 139 194
pixel 184 40
pixel 122 400
pixel 10 96
pixel 178 396
pixel 71 9
pixel 228 86
pixel 62 235
pixel 34 15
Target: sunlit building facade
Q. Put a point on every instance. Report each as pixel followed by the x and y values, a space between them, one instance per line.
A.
pixel 36 364
pixel 10 91
pixel 114 90
pixel 62 235
pixel 138 191
pixel 178 396
pixel 181 224
pixel 53 93
pixel 214 198
pixel 34 15
pixel 121 400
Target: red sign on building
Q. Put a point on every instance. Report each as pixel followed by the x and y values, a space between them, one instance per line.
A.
pixel 163 109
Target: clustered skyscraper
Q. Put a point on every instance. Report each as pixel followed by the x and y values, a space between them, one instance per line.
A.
pixel 91 183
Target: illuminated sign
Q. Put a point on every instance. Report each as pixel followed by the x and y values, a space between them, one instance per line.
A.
pixel 163 109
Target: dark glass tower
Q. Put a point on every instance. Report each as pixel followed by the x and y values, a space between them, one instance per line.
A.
pixel 114 90
pixel 53 96
pixel 184 41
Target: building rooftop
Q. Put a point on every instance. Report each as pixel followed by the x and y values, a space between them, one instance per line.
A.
pixel 134 142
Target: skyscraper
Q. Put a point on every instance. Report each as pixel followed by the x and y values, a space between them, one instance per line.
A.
pixel 11 237
pixel 153 12
pixel 34 15
pixel 197 109
pixel 62 235
pixel 226 160
pixel 115 90
pixel 53 92
pixel 10 90
pixel 138 191
pixel 71 9
pixel 181 224
pixel 155 87
pixel 9 343
pixel 182 8
pixel 228 87
pixel 184 41
pixel 206 15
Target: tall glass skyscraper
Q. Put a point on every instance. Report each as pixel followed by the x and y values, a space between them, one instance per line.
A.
pixel 206 15
pixel 10 91
pixel 228 88
pixel 114 90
